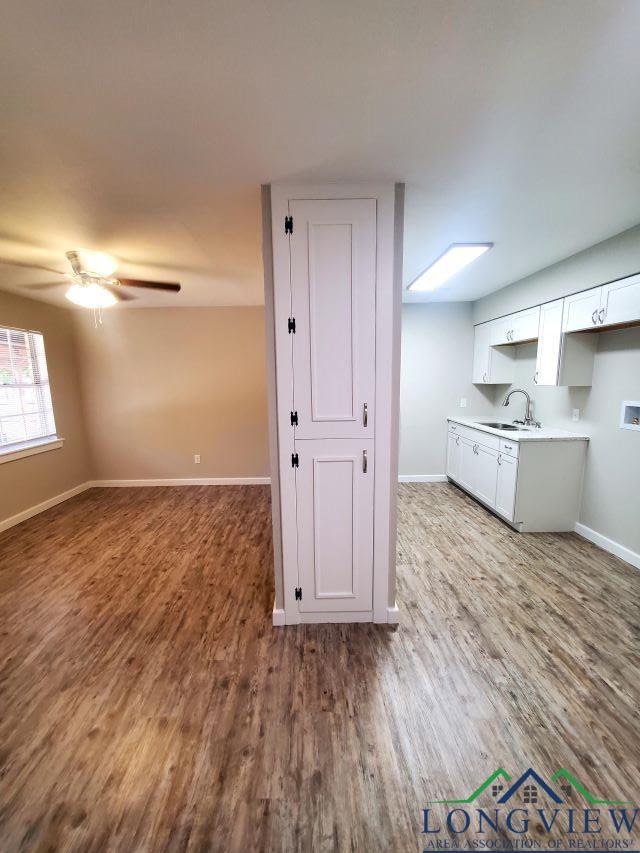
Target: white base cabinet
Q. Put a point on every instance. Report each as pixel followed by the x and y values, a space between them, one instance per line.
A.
pixel 535 485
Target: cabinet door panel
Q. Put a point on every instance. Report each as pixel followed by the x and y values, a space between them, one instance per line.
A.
pixel 525 325
pixel 454 451
pixel 333 278
pixel 581 310
pixel 486 474
pixel 481 353
pixel 467 464
pixel 506 485
pixel 621 301
pixel 549 343
pixel 335 524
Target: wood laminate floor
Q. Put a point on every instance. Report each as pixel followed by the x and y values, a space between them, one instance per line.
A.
pixel 148 704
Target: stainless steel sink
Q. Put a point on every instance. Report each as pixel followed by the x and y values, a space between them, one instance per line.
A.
pixel 497 425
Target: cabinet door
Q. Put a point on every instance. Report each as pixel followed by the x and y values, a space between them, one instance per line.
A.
pixel 525 324
pixel 621 301
pixel 486 474
pixel 467 471
pixel 335 524
pixel 333 278
pixel 506 485
pixel 581 310
pixel 549 343
pixel 454 451
pixel 481 353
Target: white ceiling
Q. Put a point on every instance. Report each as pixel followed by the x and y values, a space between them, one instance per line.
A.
pixel 146 129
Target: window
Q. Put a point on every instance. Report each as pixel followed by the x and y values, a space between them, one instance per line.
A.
pixel 26 412
pixel 530 794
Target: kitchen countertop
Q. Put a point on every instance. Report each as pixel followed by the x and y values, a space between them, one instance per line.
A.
pixel 525 434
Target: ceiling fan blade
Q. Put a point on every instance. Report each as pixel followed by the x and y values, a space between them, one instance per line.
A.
pixel 30 265
pixel 44 285
pixel 151 285
pixel 120 294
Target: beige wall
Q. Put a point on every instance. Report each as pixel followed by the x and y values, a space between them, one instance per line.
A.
pixel 161 384
pixel 29 481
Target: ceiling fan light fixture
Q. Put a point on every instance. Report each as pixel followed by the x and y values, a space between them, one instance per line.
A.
pixel 95 264
pixel 90 296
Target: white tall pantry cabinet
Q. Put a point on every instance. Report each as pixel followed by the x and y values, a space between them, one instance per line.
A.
pixel 333 291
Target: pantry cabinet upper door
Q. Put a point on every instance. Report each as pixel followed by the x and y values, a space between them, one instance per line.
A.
pixel 333 282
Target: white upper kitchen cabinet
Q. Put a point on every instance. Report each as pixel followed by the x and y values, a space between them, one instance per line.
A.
pixel 516 328
pixel 581 310
pixel 620 302
pixel 491 365
pixel 549 343
pixel 481 353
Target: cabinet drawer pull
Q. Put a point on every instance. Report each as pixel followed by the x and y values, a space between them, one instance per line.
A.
pixel 601 315
pixel 365 415
pixel 594 317
pixel 364 462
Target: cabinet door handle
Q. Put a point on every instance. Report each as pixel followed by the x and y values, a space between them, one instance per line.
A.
pixel 365 415
pixel 499 459
pixel 594 317
pixel 601 315
pixel 365 464
pixel 458 440
pixel 484 377
pixel 535 377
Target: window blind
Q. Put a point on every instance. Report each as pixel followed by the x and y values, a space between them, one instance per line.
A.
pixel 26 411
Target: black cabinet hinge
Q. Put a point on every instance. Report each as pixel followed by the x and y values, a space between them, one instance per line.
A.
pixel 294 460
pixel 288 225
pixel 291 325
pixel 294 419
pixel 298 593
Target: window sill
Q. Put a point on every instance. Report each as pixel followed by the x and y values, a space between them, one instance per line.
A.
pixel 30 448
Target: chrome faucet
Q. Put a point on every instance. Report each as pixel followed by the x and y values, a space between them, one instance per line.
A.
pixel 528 418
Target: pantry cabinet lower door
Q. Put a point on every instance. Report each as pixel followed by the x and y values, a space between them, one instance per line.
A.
pixel 334 493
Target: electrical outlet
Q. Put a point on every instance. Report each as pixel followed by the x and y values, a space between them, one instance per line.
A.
pixel 196 458
pixel 463 402
pixel 575 415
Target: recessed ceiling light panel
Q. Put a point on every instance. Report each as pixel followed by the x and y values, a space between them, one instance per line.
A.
pixel 455 258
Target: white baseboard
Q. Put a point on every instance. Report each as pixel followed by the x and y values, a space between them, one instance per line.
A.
pixel 278 615
pixel 422 478
pixel 187 481
pixel 609 545
pixel 393 615
pixel 6 523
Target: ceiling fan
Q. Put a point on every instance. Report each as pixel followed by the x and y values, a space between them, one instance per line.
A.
pixel 93 284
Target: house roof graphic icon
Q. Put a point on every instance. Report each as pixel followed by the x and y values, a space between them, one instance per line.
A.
pixel 530 775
